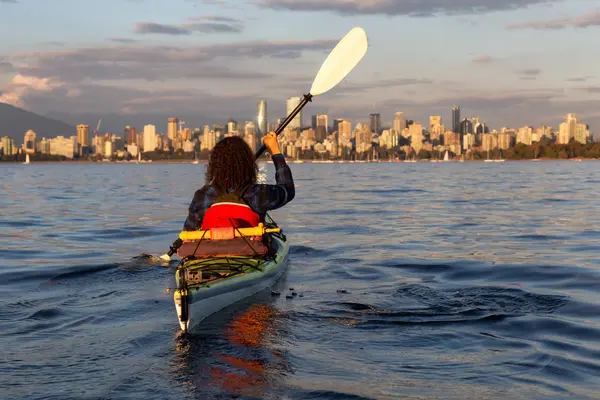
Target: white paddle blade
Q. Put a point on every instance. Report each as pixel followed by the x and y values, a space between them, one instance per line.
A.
pixel 342 59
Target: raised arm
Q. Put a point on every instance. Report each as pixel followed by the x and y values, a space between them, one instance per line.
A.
pixel 263 198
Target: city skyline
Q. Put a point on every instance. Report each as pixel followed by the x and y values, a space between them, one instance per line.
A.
pixel 466 136
pixel 517 64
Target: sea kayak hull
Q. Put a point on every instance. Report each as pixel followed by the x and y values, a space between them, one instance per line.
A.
pixel 195 302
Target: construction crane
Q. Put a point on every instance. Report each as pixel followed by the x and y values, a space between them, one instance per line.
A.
pixel 96 134
pixel 98 128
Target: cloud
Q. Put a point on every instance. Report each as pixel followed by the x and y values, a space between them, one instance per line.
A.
pixel 5 65
pixel 382 83
pixel 122 40
pixel 531 71
pixel 591 89
pixel 421 8
pixel 152 27
pixel 80 77
pixel 9 1
pixel 208 24
pixel 529 74
pixel 54 43
pixel 158 63
pixel 22 86
pixel 579 78
pixel 591 18
pixel 482 59
pixel 215 18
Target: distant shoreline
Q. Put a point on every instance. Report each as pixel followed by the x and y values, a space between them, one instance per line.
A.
pixel 290 161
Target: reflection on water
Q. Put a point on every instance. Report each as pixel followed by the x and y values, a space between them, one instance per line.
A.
pixel 240 359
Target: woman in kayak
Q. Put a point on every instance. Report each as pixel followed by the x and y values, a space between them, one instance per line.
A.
pixel 231 195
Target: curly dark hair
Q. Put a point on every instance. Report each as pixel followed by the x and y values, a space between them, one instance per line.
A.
pixel 231 164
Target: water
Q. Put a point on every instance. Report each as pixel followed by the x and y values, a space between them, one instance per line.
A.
pixel 422 280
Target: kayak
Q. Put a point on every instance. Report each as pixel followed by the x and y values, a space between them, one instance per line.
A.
pixel 207 284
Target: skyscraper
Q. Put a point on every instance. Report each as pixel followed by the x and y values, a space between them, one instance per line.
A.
pixel 399 122
pixel 232 127
pixel 434 120
pixel 8 144
pixel 250 135
pixel 375 123
pixel 466 127
pixel 291 104
pixel 456 119
pixel 29 141
pixel 336 124
pixel 130 135
pixel 323 120
pixel 172 128
pixel 345 130
pixel 149 138
pixel 83 135
pixel 261 119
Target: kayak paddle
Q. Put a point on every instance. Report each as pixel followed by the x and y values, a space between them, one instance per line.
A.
pixel 343 58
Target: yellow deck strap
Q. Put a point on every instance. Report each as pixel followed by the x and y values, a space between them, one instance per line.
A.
pixel 239 232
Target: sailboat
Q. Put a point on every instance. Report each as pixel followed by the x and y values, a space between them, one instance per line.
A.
pixel 139 159
pixel 446 156
pixel 27 161
pixel 196 161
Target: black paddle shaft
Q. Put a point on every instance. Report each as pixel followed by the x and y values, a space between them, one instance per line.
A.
pixel 305 100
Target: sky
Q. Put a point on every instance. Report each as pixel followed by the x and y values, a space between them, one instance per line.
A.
pixel 511 62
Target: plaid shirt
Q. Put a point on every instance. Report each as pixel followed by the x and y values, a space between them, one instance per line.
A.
pixel 260 197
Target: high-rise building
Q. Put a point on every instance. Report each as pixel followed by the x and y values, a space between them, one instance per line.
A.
pixel 434 120
pixel 62 146
pixel 313 122
pixel 568 129
pixel 399 122
pixel 416 136
pixel 345 130
pixel 336 124
pixel 323 120
pixel 375 123
pixel 364 138
pixel 83 135
pixel 150 143
pixel 7 145
pixel 130 135
pixel 29 141
pixel 232 127
pixel 322 127
pixel 291 104
pixel 436 129
pixel 456 119
pixel 250 135
pixel 186 134
pixel 172 128
pixel 261 118
pixel 524 135
pixel 466 127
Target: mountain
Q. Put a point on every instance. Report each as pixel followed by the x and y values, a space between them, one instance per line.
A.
pixel 14 122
